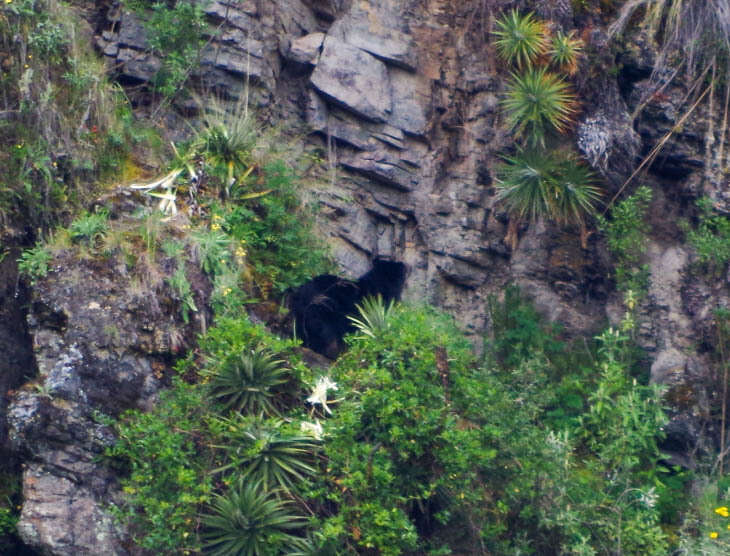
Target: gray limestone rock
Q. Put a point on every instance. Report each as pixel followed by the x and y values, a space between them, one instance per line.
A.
pixel 306 49
pixel 63 518
pixel 353 79
pixel 377 28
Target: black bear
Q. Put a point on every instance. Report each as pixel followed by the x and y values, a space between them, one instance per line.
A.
pixel 321 306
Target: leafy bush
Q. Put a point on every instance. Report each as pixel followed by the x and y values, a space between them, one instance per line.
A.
pixel 167 469
pixel 520 39
pixel 33 262
pixel 711 237
pixel 419 443
pixel 212 249
pixel 538 102
pixel 277 232
pixel 183 292
pixel 626 233
pixel 175 33
pixel 89 227
pixel 373 316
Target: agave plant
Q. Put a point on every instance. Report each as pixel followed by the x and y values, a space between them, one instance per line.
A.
pixel 248 521
pixel 374 313
pixel 536 183
pixel 538 101
pixel 565 51
pixel 247 382
pixel 262 452
pixel 520 39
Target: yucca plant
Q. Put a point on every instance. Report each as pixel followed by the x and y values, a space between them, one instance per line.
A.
pixel 264 453
pixel 536 183
pixel 565 50
pixel 227 140
pixel 373 315
pixel 248 521
pixel 537 102
pixel 247 382
pixel 521 40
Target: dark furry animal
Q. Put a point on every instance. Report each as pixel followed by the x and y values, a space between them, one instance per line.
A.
pixel 321 306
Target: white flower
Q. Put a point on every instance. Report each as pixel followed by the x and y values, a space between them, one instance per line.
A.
pixel 315 429
pixel 319 394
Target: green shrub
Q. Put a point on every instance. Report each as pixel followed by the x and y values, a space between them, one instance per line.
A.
pixel 89 227
pixel 565 51
pixel 711 237
pixel 212 249
pixel 625 234
pixel 164 470
pixel 33 262
pixel 175 33
pixel 277 232
pixel 419 442
pixel 183 292
pixel 373 316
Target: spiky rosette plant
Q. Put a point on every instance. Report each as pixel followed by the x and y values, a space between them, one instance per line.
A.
pixel 248 521
pixel 565 51
pixel 263 452
pixel 535 184
pixel 576 194
pixel 373 315
pixel 538 102
pixel 521 40
pixel 247 382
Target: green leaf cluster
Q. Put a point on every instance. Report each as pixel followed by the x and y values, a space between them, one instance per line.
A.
pixel 168 479
pixel 625 232
pixel 556 185
pixel 711 237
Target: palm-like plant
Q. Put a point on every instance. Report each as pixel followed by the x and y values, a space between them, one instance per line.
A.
pixel 565 51
pixel 576 195
pixel 248 521
pixel 537 102
pixel 247 382
pixel 373 315
pixel 520 39
pixel 536 184
pixel 265 454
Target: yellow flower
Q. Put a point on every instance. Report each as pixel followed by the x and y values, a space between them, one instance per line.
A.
pixel 8 1
pixel 723 511
pixel 713 534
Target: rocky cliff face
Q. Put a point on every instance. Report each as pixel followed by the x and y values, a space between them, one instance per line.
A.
pixel 104 340
pixel 401 99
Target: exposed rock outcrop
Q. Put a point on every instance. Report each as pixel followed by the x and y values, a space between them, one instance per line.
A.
pixel 104 340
